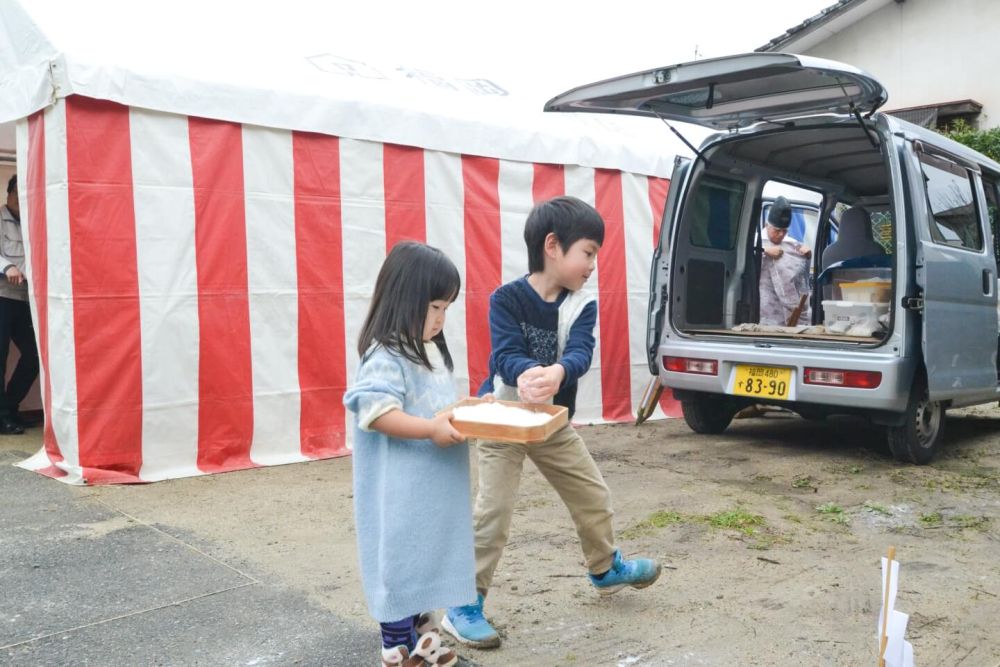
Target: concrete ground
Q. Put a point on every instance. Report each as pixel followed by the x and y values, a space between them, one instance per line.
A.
pixel 86 583
pixel 770 534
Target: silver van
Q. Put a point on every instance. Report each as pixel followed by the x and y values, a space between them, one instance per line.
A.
pixel 901 294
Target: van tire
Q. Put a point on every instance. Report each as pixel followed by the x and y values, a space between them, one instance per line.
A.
pixel 707 415
pixel 919 437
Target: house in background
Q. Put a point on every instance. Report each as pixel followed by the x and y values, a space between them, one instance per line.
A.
pixel 937 59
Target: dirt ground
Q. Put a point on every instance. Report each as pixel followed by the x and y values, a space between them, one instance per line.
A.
pixel 770 535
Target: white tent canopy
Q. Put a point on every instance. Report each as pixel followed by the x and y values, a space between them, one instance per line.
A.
pixel 182 63
pixel 205 211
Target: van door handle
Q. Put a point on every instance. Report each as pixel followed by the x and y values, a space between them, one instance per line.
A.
pixel 987 282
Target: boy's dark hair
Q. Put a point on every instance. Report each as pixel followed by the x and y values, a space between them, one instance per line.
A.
pixel 569 218
pixel 12 184
pixel 413 275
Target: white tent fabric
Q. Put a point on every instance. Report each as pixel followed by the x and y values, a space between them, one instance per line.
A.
pixel 203 244
pixel 198 286
pixel 57 48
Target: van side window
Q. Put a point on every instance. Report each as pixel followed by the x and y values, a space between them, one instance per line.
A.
pixel 715 213
pixel 881 224
pixel 951 202
pixel 882 230
pixel 992 206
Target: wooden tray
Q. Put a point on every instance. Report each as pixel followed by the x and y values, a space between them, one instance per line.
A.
pixel 525 435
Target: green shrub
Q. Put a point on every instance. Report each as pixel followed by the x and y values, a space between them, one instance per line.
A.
pixel 986 142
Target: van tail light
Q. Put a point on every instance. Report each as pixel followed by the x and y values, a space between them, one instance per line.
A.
pixel 688 365
pixel 843 378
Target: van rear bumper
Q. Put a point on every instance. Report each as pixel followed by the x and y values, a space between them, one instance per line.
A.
pixel 891 394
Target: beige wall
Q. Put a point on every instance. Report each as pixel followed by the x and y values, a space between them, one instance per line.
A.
pixel 926 52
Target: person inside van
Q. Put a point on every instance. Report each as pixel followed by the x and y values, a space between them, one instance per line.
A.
pixel 784 271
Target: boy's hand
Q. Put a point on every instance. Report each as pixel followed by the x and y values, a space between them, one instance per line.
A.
pixel 774 252
pixel 805 251
pixel 489 398
pixel 443 434
pixel 539 384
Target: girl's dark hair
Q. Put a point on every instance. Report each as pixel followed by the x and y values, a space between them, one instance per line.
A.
pixel 569 218
pixel 413 275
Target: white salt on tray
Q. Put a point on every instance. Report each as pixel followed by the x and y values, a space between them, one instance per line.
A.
pixel 498 413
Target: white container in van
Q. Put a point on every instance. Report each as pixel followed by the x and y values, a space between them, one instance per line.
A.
pixel 867 291
pixel 896 201
pixel 842 316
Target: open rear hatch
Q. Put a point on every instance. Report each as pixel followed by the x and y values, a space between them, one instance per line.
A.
pixel 731 92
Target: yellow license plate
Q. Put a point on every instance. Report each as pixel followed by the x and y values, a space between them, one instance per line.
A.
pixel 762 382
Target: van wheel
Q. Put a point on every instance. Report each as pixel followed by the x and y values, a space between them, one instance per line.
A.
pixel 918 438
pixel 707 415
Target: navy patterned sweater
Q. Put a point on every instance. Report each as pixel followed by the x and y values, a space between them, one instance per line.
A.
pixel 525 331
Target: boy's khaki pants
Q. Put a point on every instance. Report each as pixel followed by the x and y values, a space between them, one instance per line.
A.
pixel 568 466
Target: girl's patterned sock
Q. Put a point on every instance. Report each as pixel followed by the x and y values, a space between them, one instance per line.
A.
pixel 416 622
pixel 399 633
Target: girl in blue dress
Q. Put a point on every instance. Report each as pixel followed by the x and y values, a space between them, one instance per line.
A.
pixel 412 504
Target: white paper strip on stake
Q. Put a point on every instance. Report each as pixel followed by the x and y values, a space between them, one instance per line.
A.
pixel 895 632
pixel 893 585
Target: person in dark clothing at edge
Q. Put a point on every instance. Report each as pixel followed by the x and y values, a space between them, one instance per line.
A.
pixel 15 317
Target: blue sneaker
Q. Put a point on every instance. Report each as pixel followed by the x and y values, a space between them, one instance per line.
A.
pixel 637 573
pixel 468 625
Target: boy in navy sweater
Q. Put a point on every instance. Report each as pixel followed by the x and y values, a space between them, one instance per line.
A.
pixel 542 334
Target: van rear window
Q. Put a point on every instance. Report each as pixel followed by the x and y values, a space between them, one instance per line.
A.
pixel 715 213
pixel 955 221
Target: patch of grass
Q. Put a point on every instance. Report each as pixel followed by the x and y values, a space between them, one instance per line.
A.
pixel 804 482
pixel 846 469
pixel 653 522
pixel 970 521
pixel 736 519
pixel 664 518
pixel 876 508
pixel 931 519
pixel 764 541
pixel 977 477
pixel 903 476
pixel 833 512
pixel 794 518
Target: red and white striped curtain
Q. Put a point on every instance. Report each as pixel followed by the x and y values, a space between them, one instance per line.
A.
pixel 198 285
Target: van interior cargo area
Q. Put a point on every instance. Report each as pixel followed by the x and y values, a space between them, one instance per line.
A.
pixel 844 279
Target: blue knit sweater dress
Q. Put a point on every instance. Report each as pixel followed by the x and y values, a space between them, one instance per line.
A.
pixel 412 502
